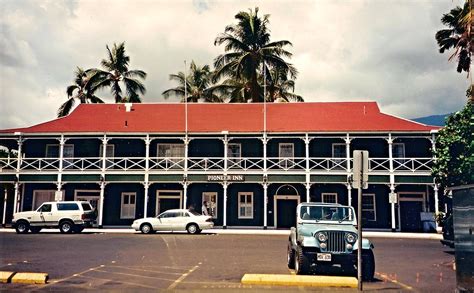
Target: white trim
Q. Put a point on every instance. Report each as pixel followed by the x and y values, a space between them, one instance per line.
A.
pixel 275 202
pixel 41 190
pixel 245 205
pixel 123 194
pixel 370 210
pixel 217 200
pixel 328 193
pixel 158 196
pixel 400 199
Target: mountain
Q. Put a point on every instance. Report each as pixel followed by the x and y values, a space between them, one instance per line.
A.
pixel 437 120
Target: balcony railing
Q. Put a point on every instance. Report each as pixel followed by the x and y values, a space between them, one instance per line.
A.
pixel 165 164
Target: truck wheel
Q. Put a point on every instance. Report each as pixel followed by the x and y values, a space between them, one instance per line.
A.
pixel 368 265
pixel 290 257
pixel 301 262
pixel 146 228
pixel 35 230
pixel 66 227
pixel 192 228
pixel 22 227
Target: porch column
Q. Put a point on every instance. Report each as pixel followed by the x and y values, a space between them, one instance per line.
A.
pixel 185 176
pixel 102 179
pixel 4 208
pixel 348 166
pixel 225 185
pixel 185 192
pixel 17 184
pixel 436 198
pixel 307 171
pixel 146 184
pixel 62 142
pixel 265 204
pixel 392 179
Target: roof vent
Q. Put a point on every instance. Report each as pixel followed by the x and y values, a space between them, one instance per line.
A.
pixel 128 107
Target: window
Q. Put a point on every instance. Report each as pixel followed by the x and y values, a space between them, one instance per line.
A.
pixel 127 209
pixel 86 207
pixel 286 152
pixel 46 208
pixel 368 207
pixel 245 205
pixel 68 207
pixel 52 151
pixel 40 196
pixel 329 197
pixel 398 150
pixel 234 154
pixel 109 154
pixel 172 154
pixel 339 155
pixel 209 200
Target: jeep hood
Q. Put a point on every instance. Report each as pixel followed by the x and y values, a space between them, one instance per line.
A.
pixel 309 229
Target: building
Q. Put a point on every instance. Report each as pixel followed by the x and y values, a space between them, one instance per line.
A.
pixel 251 163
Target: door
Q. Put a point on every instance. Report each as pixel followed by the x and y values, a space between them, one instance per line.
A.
pixel 410 216
pixel 286 213
pixel 168 200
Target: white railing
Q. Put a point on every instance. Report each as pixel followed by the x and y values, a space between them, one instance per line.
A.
pixel 381 165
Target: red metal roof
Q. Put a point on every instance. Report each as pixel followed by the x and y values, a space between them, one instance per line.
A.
pixel 214 118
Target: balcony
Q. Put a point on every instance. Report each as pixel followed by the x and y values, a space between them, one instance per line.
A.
pixel 212 164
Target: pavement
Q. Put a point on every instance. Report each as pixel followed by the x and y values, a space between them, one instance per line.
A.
pixel 235 231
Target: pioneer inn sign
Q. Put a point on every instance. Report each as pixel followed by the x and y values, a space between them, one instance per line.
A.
pixel 253 163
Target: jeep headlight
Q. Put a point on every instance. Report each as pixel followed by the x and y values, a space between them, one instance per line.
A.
pixel 322 237
pixel 350 238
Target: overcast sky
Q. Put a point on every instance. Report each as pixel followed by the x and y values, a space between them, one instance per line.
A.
pixel 344 50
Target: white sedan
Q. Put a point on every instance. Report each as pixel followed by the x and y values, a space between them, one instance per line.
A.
pixel 174 220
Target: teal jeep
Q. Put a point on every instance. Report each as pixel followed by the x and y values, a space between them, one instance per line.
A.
pixel 326 235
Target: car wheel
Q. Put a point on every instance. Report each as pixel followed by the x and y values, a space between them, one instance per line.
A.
pixel 35 230
pixel 301 262
pixel 22 227
pixel 146 228
pixel 368 265
pixel 290 257
pixel 66 227
pixel 192 228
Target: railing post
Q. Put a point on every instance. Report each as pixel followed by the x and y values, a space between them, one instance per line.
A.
pixel 17 176
pixel 307 171
pixel 147 176
pixel 392 180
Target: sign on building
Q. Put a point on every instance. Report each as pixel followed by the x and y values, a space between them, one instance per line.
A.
pixel 225 178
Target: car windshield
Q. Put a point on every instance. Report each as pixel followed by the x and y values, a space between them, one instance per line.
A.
pixel 326 213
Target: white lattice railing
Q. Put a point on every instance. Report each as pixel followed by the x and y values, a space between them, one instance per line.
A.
pixel 166 163
pixel 328 164
pixel 8 164
pixel 206 164
pixel 413 164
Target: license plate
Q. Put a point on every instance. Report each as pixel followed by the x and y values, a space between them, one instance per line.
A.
pixel 323 257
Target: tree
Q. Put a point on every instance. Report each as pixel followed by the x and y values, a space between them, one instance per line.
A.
pixel 116 72
pixel 281 88
pixel 458 37
pixel 198 82
pixel 82 90
pixel 454 152
pixel 248 47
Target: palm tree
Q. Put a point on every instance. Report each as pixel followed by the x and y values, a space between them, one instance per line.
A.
pixel 198 82
pixel 117 72
pixel 458 37
pixel 247 47
pixel 83 90
pixel 280 88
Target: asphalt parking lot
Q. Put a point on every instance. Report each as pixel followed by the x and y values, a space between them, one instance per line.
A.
pixel 201 262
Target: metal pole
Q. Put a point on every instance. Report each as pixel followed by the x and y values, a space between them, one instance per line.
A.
pixel 4 207
pixel 359 224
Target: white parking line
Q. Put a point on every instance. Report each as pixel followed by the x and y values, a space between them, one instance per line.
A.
pixel 180 279
pixel 143 270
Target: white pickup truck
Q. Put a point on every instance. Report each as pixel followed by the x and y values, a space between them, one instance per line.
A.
pixel 68 216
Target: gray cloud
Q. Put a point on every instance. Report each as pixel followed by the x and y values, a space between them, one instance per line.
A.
pixel 344 50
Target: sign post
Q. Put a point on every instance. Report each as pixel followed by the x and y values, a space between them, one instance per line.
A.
pixel 360 180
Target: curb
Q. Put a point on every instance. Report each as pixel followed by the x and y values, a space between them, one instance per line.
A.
pixel 23 278
pixel 296 280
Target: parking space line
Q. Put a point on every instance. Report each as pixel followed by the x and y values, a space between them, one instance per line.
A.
pixel 143 270
pixel 387 278
pixel 112 280
pixel 52 282
pixel 133 275
pixel 180 279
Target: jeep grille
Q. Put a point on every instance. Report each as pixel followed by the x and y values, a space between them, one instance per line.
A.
pixel 336 242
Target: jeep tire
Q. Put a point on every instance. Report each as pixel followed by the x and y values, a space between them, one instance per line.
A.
pixel 66 227
pixel 368 265
pixel 301 262
pixel 290 257
pixel 22 227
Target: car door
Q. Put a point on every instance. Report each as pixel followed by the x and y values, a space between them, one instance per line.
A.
pixel 180 220
pixel 46 214
pixel 164 222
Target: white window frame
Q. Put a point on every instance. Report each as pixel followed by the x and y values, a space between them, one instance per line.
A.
pixel 108 163
pixel 52 191
pixel 245 205
pixel 374 210
pixel 205 196
pixel 171 162
pixel 286 161
pixel 122 205
pixel 326 194
pixel 234 161
pixel 59 150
